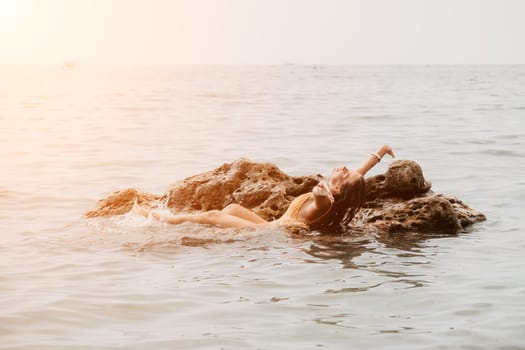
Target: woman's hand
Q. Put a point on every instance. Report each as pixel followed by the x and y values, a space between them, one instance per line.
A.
pixel 322 189
pixel 386 149
pixel 375 158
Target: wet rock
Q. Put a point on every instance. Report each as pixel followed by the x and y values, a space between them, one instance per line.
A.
pixel 401 200
pixel 120 202
pixel 428 213
pixel 398 201
pixel 404 180
pixel 261 187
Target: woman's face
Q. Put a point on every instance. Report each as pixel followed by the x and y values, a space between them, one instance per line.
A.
pixel 338 178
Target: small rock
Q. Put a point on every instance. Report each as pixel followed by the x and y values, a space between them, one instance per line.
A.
pixel 120 202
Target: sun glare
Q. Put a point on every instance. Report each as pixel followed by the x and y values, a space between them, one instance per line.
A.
pixel 9 9
pixel 10 17
pixel 16 21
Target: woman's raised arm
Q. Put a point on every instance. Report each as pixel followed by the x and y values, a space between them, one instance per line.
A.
pixel 375 158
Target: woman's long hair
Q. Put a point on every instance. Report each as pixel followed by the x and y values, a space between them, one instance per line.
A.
pixel 346 204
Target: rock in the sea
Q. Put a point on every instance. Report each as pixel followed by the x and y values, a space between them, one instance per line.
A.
pixel 401 201
pixel 398 201
pixel 429 213
pixel 261 187
pixel 404 180
pixel 120 202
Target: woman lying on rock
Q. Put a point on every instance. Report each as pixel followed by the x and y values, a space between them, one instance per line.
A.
pixel 329 205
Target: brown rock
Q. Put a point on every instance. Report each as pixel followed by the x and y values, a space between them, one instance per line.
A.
pixel 401 201
pixel 429 213
pixel 262 187
pixel 404 179
pixel 398 201
pixel 120 202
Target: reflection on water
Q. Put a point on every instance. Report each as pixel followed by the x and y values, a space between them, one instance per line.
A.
pixel 342 248
pixel 148 235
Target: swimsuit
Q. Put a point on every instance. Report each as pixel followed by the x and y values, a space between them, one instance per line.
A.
pixel 292 213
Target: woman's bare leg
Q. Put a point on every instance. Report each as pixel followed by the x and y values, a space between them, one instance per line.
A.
pixel 243 213
pixel 212 217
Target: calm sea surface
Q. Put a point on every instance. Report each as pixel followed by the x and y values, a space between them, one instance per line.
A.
pixel 70 137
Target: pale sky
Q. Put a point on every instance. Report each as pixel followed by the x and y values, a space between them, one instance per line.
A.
pixel 263 31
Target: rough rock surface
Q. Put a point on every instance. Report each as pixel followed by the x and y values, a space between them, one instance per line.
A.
pixel 398 201
pixel 401 201
pixel 262 187
pixel 120 202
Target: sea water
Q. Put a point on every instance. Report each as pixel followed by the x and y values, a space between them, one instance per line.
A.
pixel 71 135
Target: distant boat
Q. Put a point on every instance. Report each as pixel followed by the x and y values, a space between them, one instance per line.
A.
pixel 69 65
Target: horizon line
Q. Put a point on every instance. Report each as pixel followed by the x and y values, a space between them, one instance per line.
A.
pixel 79 63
